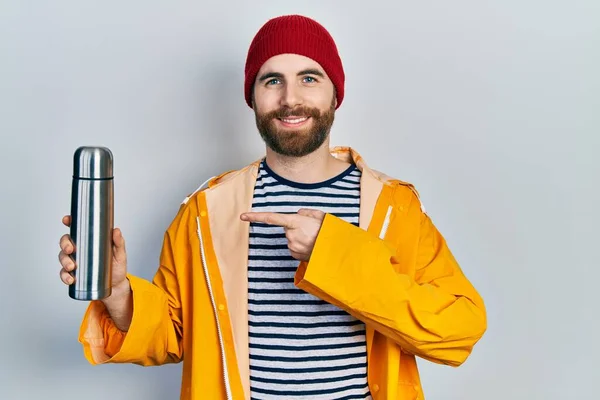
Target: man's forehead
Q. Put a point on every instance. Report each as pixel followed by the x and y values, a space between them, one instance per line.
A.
pixel 289 64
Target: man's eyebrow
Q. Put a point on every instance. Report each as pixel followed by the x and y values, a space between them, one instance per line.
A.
pixel 270 75
pixel 278 75
pixel 311 71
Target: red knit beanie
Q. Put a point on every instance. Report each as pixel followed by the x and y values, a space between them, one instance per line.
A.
pixel 294 34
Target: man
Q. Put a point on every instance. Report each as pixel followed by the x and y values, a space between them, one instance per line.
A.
pixel 304 275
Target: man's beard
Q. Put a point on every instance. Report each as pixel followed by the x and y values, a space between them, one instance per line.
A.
pixel 296 143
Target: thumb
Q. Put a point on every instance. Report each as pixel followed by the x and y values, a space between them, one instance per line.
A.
pixel 120 254
pixel 307 212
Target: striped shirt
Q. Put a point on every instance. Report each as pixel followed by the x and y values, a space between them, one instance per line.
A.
pixel 301 347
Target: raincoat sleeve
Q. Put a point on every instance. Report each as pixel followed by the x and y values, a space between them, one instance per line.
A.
pixel 434 313
pixel 155 334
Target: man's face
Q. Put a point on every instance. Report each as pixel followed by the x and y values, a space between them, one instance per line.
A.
pixel 294 104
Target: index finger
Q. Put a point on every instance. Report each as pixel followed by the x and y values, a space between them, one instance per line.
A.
pixel 270 218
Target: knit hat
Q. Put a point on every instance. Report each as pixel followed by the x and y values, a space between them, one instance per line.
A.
pixel 294 34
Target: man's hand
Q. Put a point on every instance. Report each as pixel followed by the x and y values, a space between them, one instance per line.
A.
pixel 301 229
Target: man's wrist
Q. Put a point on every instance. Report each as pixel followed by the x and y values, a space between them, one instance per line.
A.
pixel 118 293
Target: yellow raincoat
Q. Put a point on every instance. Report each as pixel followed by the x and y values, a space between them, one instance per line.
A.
pixel 394 272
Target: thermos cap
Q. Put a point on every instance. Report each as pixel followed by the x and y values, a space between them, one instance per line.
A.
pixel 91 162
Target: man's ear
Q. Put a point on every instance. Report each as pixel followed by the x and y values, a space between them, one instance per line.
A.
pixel 335 101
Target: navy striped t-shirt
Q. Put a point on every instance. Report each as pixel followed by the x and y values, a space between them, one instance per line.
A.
pixel 301 347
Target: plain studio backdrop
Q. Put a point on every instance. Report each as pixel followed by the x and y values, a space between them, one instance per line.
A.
pixel 489 107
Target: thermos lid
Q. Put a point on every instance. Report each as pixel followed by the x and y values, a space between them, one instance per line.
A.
pixel 91 162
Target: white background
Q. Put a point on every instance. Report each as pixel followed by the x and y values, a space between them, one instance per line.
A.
pixel 491 108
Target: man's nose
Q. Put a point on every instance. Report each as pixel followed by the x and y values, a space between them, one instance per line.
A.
pixel 291 96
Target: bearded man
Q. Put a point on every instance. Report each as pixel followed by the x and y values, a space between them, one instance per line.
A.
pixel 304 275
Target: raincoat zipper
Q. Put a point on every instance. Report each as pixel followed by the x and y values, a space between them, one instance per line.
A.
pixel 212 299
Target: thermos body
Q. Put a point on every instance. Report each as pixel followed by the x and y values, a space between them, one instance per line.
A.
pixel 92 218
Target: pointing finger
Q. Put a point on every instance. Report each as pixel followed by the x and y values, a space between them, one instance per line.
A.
pixel 270 218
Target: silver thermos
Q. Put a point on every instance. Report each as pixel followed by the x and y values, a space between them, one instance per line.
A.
pixel 92 216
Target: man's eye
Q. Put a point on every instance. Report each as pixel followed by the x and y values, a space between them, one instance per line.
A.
pixel 309 79
pixel 272 81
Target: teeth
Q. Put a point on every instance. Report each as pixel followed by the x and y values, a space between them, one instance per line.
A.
pixel 294 121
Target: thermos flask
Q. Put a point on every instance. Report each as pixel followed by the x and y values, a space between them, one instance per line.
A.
pixel 92 216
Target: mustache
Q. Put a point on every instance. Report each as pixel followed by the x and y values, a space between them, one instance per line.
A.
pixel 301 111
